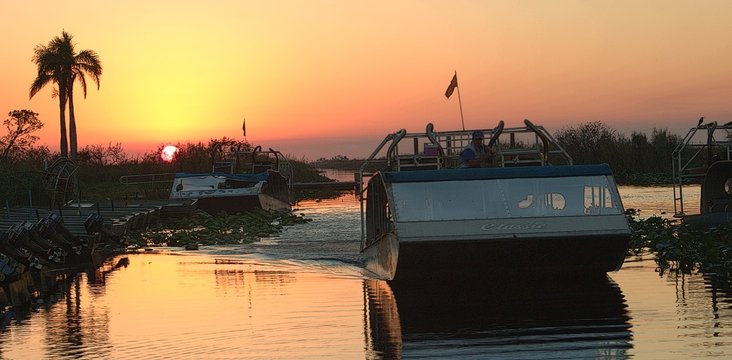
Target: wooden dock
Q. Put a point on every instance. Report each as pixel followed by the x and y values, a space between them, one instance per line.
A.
pixel 119 217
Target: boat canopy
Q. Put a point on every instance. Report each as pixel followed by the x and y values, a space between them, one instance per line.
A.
pixel 496 173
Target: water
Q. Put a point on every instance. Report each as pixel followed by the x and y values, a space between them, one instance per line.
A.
pixel 305 295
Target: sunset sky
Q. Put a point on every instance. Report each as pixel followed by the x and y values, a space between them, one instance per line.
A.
pixel 317 78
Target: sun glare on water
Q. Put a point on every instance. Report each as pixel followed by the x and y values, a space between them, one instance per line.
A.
pixel 168 153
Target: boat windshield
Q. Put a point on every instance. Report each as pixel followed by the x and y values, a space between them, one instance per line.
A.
pixel 507 198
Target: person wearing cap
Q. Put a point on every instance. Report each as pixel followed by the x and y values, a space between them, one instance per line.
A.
pixel 476 153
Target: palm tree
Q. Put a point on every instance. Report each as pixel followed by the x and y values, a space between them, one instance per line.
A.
pixel 59 63
pixel 50 70
pixel 85 62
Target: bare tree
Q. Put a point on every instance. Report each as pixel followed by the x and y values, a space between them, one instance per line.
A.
pixel 20 126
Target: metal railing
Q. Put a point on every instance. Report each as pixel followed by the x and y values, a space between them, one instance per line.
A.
pixel 701 146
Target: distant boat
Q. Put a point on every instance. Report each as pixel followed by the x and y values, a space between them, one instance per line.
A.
pixel 704 157
pixel 239 181
pixel 247 180
pixel 233 193
pixel 531 210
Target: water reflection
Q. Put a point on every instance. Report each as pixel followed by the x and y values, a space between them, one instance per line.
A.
pixel 301 294
pixel 80 330
pixel 236 278
pixel 526 318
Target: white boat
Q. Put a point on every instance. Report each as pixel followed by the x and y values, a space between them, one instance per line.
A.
pixel 232 193
pixel 240 181
pixel 704 157
pixel 532 210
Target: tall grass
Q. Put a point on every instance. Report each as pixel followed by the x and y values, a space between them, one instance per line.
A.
pixel 22 178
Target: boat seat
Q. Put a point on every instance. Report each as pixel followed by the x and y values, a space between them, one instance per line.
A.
pixel 418 162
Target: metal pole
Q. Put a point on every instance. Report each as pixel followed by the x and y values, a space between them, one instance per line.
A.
pixel 460 101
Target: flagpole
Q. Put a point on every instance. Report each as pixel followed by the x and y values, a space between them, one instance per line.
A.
pixel 244 128
pixel 461 104
pixel 448 93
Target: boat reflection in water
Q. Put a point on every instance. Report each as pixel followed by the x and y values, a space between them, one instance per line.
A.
pixel 534 318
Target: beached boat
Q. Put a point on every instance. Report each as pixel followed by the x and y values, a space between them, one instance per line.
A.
pixel 531 210
pixel 704 158
pixel 245 181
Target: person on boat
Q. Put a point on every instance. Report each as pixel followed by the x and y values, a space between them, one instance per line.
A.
pixel 476 154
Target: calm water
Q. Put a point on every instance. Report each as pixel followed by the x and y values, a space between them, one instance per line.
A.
pixel 305 295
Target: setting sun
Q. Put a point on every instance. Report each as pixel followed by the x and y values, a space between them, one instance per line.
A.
pixel 168 153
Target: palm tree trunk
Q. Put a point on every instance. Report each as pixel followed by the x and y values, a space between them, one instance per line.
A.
pixel 72 124
pixel 63 146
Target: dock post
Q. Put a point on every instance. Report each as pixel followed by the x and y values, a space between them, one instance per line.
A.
pixel 78 203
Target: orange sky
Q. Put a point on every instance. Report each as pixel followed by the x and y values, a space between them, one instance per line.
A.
pixel 324 77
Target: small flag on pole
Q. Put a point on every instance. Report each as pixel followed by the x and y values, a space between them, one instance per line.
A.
pixel 452 86
pixel 244 127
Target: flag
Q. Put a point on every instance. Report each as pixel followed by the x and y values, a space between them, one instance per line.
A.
pixel 244 127
pixel 452 86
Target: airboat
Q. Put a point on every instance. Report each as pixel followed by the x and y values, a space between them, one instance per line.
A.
pixel 243 182
pixel 530 210
pixel 702 161
pixel 239 181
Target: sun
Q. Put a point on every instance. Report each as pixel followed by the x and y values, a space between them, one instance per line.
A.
pixel 168 153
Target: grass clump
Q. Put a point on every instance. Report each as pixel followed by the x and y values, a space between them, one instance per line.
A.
pixel 204 229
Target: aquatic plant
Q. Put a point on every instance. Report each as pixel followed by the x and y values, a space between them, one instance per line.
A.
pixel 682 247
pixel 204 229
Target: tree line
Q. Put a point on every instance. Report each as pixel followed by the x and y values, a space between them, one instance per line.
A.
pixel 639 159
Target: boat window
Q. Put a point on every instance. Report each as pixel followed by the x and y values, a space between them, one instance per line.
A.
pixel 728 186
pixel 597 198
pixel 504 198
pixel 555 201
pixel 526 203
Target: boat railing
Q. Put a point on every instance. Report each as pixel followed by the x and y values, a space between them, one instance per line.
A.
pixel 147 179
pixel 258 160
pixel 702 145
pixel 155 186
pixel 365 171
pixel 516 146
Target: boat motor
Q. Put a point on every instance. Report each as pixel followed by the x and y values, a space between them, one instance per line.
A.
pixel 9 268
pixel 20 254
pixel 26 236
pixel 52 228
pixel 94 224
